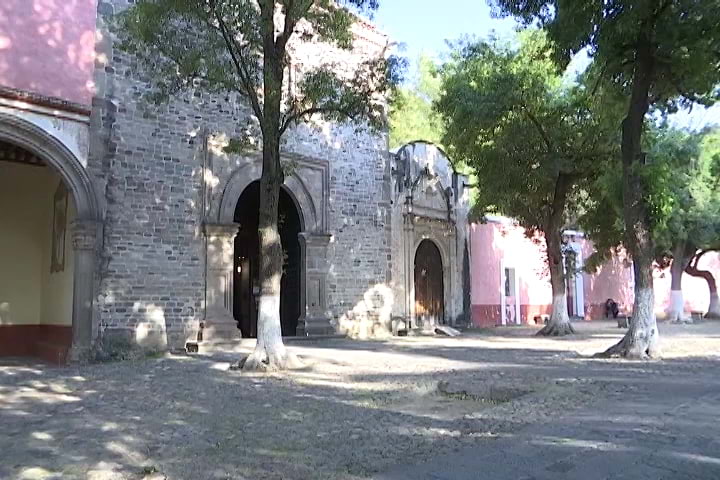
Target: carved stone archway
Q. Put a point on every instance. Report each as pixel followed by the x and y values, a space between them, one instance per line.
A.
pixel 85 230
pixel 314 241
pixel 417 238
pixel 247 174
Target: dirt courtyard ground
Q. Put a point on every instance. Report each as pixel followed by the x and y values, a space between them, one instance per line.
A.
pixel 368 409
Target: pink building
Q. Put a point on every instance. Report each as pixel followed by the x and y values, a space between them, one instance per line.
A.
pixel 47 48
pixel 511 283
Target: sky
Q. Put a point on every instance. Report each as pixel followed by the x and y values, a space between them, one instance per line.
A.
pixel 424 26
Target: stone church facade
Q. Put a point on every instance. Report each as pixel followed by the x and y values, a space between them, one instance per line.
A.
pixel 160 248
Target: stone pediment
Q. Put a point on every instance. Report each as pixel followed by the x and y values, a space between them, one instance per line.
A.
pixel 432 199
pixel 424 176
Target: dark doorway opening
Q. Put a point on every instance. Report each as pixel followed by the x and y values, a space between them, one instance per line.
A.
pixel 429 286
pixel 247 256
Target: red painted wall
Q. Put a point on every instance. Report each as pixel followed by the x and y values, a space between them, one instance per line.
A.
pixel 48 47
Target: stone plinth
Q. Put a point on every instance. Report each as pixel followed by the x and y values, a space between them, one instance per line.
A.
pixel 219 324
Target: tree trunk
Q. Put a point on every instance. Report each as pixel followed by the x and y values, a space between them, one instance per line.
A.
pixel 641 340
pixel 691 269
pixel 270 352
pixel 714 307
pixel 676 309
pixel 559 323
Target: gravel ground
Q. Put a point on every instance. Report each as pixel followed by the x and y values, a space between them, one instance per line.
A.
pixel 357 408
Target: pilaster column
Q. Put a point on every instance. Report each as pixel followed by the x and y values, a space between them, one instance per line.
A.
pixel 84 235
pixel 409 268
pixel 220 325
pixel 315 319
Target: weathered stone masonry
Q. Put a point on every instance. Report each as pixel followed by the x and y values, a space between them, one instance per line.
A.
pixel 148 160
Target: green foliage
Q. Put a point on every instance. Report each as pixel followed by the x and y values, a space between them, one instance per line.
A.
pixel 685 36
pixel 412 116
pixel 682 193
pixel 602 215
pixel 223 46
pixel 511 118
pixel 656 54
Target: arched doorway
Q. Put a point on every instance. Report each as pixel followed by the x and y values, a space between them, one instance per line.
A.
pixel 246 263
pixel 37 258
pixel 429 284
pixel 52 315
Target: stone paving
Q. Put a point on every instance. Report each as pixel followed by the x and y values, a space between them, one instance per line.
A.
pixel 491 404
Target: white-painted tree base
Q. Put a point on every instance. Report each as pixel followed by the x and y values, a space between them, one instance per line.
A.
pixel 642 339
pixel 676 310
pixel 270 353
pixel 559 323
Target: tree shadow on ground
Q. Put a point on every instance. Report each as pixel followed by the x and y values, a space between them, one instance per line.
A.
pixel 655 427
pixel 189 417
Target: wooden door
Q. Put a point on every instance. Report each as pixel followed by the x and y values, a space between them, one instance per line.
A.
pixel 429 285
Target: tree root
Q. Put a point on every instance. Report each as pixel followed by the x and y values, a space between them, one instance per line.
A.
pixel 639 349
pixel 618 350
pixel 554 329
pixel 260 361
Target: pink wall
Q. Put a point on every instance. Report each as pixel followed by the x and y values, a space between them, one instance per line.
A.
pixel 496 243
pixel 613 280
pixel 48 47
pixel 493 244
pixel 695 290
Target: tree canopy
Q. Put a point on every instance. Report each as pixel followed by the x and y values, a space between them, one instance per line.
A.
pixel 683 194
pixel 684 36
pixel 660 55
pixel 222 46
pixel 510 116
pixel 531 138
pixel 685 188
pixel 412 116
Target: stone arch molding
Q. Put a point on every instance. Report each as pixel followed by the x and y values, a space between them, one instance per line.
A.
pixel 448 281
pixel 85 230
pixel 245 175
pixel 444 254
pixel 33 138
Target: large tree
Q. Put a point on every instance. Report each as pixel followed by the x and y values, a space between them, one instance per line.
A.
pixel 529 136
pixel 682 194
pixel 662 54
pixel 708 215
pixel 246 46
pixel 686 203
